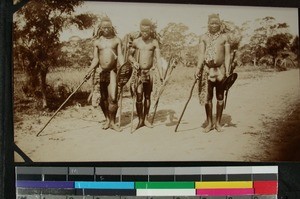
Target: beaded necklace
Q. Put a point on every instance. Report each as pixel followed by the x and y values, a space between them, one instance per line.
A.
pixel 211 47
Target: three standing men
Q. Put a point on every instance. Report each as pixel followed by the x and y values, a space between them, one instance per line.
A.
pixel 214 61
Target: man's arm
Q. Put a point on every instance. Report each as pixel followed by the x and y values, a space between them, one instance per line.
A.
pixel 131 53
pixel 95 60
pixel 158 60
pixel 120 54
pixel 227 55
pixel 200 56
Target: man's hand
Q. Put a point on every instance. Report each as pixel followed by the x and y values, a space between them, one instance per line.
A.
pixel 136 65
pixel 197 75
pixel 87 76
pixel 227 73
pixel 161 80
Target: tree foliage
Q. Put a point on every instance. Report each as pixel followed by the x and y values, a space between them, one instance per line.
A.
pixel 261 34
pixel 277 43
pixel 234 33
pixel 295 46
pixel 37 27
pixel 176 41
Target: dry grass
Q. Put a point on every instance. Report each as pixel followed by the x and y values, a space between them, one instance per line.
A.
pixel 179 84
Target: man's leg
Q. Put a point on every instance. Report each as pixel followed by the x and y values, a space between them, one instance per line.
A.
pixel 113 103
pixel 208 108
pixel 220 106
pixel 147 103
pixel 104 103
pixel 96 89
pixel 139 106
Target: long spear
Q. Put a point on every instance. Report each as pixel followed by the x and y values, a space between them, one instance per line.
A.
pixel 230 79
pixel 86 77
pixel 166 78
pixel 121 87
pixel 190 96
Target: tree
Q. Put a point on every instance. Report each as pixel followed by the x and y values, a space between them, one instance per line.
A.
pixel 263 29
pixel 175 39
pixel 37 27
pixel 295 46
pixel 172 39
pixel 277 43
pixel 234 33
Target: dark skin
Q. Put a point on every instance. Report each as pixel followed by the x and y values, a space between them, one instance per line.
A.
pixel 221 64
pixel 107 54
pixel 143 51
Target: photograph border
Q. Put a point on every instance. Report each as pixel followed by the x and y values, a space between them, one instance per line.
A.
pixel 7 181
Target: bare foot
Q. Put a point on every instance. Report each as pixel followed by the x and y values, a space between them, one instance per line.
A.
pixel 218 127
pixel 208 128
pixel 148 124
pixel 105 125
pixel 115 127
pixel 141 124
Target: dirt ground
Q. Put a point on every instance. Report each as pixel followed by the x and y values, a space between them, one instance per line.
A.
pixel 261 123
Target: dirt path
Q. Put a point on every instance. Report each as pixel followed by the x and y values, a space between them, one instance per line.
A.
pixel 253 122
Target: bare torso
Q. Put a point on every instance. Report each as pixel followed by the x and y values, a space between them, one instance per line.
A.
pixel 144 52
pixel 219 48
pixel 107 52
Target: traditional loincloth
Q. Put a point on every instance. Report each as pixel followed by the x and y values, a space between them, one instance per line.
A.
pixel 144 76
pixel 141 77
pixel 213 74
pixel 105 77
pixel 99 77
pixel 203 88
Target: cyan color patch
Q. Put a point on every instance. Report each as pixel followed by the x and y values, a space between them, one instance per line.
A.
pixel 104 185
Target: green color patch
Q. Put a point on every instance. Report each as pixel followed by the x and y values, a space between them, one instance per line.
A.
pixel 165 185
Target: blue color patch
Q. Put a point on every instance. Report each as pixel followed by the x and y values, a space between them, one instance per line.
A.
pixel 104 185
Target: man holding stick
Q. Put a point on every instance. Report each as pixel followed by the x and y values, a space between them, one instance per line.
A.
pixel 107 54
pixel 214 59
pixel 143 51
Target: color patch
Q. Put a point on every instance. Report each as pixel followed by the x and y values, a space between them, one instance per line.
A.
pixel 106 192
pixel 224 192
pixel 214 185
pixel 165 192
pixel 44 184
pixel 164 185
pixel 265 187
pixel 104 185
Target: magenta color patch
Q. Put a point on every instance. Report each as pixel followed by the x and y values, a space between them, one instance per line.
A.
pixel 224 192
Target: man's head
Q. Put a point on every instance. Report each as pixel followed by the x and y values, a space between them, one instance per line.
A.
pixel 106 28
pixel 214 23
pixel 146 28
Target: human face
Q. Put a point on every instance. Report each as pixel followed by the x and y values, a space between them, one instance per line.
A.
pixel 106 28
pixel 145 32
pixel 214 25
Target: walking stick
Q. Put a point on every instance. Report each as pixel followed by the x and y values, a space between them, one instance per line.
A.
pixel 231 78
pixel 191 93
pixel 85 79
pixel 133 102
pixel 166 78
pixel 120 111
pixel 121 86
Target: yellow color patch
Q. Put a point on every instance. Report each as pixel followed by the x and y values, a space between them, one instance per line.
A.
pixel 223 184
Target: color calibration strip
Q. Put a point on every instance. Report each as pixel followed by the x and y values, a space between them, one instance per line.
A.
pixel 232 182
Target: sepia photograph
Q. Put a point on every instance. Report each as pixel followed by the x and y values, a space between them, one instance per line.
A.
pixel 120 82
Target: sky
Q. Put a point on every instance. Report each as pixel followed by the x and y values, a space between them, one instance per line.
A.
pixel 127 16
